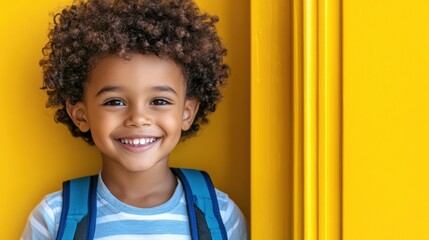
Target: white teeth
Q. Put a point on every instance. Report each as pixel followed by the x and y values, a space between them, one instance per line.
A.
pixel 137 141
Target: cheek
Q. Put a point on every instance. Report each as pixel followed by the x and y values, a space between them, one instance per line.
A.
pixel 171 123
pixel 102 123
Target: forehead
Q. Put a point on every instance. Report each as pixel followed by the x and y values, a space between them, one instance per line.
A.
pixel 140 71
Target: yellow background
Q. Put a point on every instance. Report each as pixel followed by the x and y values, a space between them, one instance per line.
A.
pixel 36 154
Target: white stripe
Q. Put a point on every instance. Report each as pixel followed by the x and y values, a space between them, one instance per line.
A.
pixel 47 209
pixel 56 199
pixel 231 230
pixel 39 227
pixel 57 210
pixel 147 237
pixel 101 203
pixel 126 216
pixel 228 212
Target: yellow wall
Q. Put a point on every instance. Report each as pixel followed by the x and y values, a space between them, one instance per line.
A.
pixel 36 154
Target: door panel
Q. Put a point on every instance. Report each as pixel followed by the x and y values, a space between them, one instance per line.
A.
pixel 386 120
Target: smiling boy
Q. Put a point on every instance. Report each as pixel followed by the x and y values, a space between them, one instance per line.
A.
pixel 133 78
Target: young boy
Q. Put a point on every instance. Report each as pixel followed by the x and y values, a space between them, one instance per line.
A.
pixel 133 77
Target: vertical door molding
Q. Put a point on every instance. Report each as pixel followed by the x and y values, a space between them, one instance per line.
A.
pixel 317 119
pixel 296 119
pixel 271 119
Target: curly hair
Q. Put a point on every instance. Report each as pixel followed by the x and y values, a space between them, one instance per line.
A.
pixel 172 29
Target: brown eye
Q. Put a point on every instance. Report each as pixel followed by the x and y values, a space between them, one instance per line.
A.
pixel 114 102
pixel 160 101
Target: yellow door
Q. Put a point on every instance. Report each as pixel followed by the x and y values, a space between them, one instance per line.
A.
pixel 352 76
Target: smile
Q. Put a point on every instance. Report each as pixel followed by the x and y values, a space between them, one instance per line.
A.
pixel 138 141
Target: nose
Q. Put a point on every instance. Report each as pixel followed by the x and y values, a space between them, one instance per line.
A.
pixel 138 116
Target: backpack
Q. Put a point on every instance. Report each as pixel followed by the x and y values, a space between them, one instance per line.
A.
pixel 79 209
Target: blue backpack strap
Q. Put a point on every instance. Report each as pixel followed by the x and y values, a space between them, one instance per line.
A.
pixel 79 209
pixel 199 185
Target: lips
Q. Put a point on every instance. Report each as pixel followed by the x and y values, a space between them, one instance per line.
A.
pixel 138 141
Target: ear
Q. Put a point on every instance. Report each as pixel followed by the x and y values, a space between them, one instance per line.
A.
pixel 189 112
pixel 77 112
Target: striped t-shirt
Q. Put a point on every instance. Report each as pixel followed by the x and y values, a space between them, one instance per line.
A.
pixel 119 221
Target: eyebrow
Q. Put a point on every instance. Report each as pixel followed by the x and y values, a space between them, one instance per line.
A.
pixel 107 89
pixel 164 89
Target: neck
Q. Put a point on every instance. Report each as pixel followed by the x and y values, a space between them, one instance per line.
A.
pixel 145 189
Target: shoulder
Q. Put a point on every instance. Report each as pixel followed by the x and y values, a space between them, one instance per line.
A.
pixel 51 205
pixel 44 218
pixel 235 223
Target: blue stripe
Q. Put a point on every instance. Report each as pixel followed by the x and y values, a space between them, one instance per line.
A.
pixel 140 227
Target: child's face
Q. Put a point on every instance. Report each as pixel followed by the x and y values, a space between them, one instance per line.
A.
pixel 135 110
